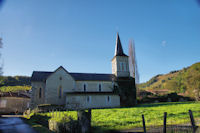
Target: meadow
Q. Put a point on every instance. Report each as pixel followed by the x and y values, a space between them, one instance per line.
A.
pixel 127 118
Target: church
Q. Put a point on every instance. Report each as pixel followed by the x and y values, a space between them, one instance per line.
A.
pixel 86 90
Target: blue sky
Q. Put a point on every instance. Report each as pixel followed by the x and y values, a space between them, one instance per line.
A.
pixel 80 35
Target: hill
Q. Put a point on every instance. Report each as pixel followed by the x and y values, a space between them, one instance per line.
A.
pixel 15 83
pixel 185 81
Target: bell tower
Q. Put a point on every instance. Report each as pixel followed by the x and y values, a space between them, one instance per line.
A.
pixel 120 64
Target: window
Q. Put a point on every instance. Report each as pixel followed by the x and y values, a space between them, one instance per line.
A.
pixel 88 99
pixel 84 87
pixel 3 103
pixel 120 67
pixel 40 92
pixel 60 92
pixel 99 87
pixel 108 99
pixel 60 78
pixel 124 66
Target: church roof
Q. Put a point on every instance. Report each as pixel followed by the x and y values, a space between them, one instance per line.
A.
pixel 42 76
pixel 91 93
pixel 118 48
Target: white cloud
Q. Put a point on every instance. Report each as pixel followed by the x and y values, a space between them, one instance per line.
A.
pixel 164 43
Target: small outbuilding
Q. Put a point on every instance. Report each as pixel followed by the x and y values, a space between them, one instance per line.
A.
pixel 13 102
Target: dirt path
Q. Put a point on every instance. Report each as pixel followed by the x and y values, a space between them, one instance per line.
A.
pixel 14 125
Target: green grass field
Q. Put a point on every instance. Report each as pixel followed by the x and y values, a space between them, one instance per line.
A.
pixel 127 118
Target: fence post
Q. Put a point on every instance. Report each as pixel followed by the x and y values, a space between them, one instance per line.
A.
pixel 192 121
pixel 165 123
pixel 143 121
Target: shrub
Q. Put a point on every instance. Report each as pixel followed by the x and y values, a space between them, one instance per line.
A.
pixel 67 124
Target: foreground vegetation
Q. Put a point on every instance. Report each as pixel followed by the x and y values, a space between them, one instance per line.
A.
pixel 127 118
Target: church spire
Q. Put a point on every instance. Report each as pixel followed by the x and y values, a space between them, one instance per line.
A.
pixel 118 47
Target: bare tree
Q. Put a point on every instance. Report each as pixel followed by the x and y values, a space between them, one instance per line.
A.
pixel 133 62
pixel 1 65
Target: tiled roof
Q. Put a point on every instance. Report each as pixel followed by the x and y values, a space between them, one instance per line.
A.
pixel 92 77
pixel 85 93
pixel 13 94
pixel 42 76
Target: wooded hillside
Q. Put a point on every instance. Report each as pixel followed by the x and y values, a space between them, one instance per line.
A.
pixel 15 83
pixel 185 81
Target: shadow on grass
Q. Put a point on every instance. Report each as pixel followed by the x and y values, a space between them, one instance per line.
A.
pixel 97 129
pixel 39 123
pixel 40 119
pixel 163 104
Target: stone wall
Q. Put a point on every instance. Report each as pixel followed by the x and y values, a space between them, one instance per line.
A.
pixel 85 101
pixel 35 99
pixel 117 69
pixel 59 79
pixel 93 86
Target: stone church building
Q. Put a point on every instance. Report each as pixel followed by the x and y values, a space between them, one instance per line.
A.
pixel 85 90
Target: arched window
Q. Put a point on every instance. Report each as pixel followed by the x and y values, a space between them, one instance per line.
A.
pixel 88 99
pixel 84 87
pixel 108 98
pixel 124 66
pixel 40 92
pixel 60 92
pixel 100 87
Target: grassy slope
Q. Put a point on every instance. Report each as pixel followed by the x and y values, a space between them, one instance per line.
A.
pixel 175 81
pixel 126 118
pixel 14 88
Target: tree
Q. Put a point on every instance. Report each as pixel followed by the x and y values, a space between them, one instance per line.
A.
pixel 1 66
pixel 133 68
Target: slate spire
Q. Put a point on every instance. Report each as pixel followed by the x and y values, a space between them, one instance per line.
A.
pixel 118 47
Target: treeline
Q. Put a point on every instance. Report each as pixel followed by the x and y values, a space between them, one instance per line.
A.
pixel 14 81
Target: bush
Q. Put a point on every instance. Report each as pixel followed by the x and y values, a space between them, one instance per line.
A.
pixel 67 124
pixel 40 119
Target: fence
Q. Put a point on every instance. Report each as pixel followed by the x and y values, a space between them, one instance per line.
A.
pixel 185 127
